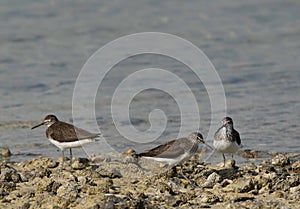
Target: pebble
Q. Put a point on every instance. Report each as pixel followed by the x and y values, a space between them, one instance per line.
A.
pixel 110 173
pixel 212 179
pixel 77 165
pixel 9 174
pixel 296 167
pixel 68 191
pixel 5 152
pixel 280 160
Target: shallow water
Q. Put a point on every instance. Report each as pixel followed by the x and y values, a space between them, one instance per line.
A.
pixel 254 47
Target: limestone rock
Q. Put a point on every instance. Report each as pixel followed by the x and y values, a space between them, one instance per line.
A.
pixel 280 160
pixel 5 152
pixel 212 179
pixel 110 173
pixel 68 191
pixel 9 174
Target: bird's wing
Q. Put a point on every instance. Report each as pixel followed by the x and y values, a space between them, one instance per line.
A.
pixel 237 137
pixel 166 150
pixel 83 134
pixel 171 149
pixel 66 132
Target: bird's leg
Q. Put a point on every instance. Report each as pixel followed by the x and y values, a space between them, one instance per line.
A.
pixel 63 158
pixel 209 155
pixel 71 157
pixel 193 184
pixel 224 159
pixel 174 170
pixel 171 171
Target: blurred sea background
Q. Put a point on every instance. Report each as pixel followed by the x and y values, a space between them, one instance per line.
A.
pixel 254 46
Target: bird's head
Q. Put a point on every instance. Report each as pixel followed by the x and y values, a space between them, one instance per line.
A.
pixel 48 121
pixel 227 121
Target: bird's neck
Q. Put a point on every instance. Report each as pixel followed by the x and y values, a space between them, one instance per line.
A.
pixel 50 124
pixel 229 129
pixel 193 140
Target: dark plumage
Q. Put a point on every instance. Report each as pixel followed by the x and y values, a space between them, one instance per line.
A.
pixel 65 132
pixel 64 135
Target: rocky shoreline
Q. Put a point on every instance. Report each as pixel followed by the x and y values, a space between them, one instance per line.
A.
pixel 104 183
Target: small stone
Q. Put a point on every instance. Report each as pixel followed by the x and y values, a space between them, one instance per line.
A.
pixel 226 182
pixel 230 164
pixel 43 172
pixel 112 173
pixel 3 192
pixel 129 156
pixel 84 161
pixel 77 165
pixel 111 201
pixel 205 206
pixel 52 164
pixel 134 181
pixel 109 204
pixel 96 206
pixel 7 186
pixel 82 180
pixel 23 177
pixel 129 152
pixel 68 191
pixel 212 179
pixel 271 175
pixel 130 159
pixel 294 180
pixel 26 193
pixel 295 189
pixel 100 159
pixel 280 160
pixel 240 185
pixel 296 166
pixel 27 176
pixel 171 200
pixel 9 174
pixel 5 152
pixel 25 205
pixel 209 197
pixel 278 194
pixel 43 185
pixel 249 154
pixel 264 189
pixel 242 198
pixel 295 193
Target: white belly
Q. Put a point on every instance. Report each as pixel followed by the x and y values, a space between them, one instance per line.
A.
pixel 225 146
pixel 171 161
pixel 66 145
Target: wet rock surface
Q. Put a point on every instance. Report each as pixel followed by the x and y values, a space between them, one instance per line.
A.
pixel 40 183
pixel 5 152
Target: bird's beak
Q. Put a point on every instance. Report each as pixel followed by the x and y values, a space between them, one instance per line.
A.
pixel 208 146
pixel 203 142
pixel 38 125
